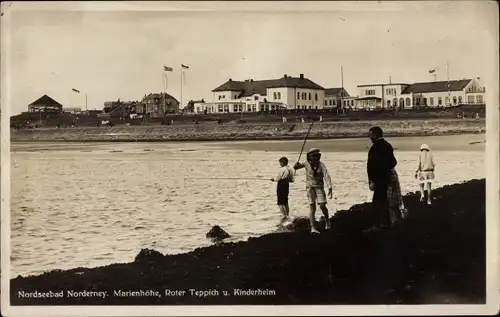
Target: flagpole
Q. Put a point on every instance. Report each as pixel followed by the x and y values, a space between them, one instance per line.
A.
pixel 182 71
pixel 448 75
pixel 342 90
pixel 86 109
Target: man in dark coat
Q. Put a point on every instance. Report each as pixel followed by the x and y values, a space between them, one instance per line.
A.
pixel 381 162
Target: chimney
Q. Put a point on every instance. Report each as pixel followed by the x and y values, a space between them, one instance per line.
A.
pixel 230 79
pixel 301 76
pixel 285 76
pixel 251 80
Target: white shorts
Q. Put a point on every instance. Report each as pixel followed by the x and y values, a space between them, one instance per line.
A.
pixel 316 195
pixel 426 177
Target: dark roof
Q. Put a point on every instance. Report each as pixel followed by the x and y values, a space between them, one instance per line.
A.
pixel 250 87
pixel 45 100
pixel 336 92
pixel 437 86
pixel 159 95
pixel 386 84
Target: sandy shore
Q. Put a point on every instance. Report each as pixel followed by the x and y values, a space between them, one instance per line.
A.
pixel 435 256
pixel 249 131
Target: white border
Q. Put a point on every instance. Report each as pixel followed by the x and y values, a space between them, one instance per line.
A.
pixel 492 170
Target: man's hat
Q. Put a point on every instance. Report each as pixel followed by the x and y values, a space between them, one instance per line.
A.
pixel 313 151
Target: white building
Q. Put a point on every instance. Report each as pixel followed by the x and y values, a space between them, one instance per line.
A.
pixel 378 96
pixel 337 97
pixel 265 95
pixel 444 93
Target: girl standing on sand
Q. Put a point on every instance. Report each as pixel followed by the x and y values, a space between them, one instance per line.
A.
pixel 284 178
pixel 425 172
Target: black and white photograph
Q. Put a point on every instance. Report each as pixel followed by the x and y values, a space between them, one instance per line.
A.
pixel 177 158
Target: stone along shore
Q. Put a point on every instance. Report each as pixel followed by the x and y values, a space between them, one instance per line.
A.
pixel 250 131
pixel 434 256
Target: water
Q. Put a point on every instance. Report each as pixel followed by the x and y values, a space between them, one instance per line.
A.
pixel 91 205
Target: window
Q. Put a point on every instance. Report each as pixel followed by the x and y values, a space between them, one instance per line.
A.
pixel 249 108
pixel 408 102
pixel 316 97
pixel 221 108
pixel 279 95
pixel 390 91
pixel 220 97
pixel 454 100
pixel 388 103
pixel 256 98
pixel 440 101
pixel 298 95
pixel 334 102
pixel 470 99
pixel 275 96
pixel 326 102
pixel 447 101
pixel 479 99
pixel 370 92
pixel 309 96
pixel 352 103
pixel 431 101
pixel 460 99
pixel 425 102
pixel 316 107
pixel 310 107
pixel 304 96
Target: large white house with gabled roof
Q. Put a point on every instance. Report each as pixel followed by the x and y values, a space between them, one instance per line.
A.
pixel 424 94
pixel 251 95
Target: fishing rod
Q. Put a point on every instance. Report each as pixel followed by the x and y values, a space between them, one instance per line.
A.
pixel 304 143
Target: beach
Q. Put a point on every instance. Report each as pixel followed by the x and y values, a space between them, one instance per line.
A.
pixel 249 131
pixel 435 256
pixel 108 200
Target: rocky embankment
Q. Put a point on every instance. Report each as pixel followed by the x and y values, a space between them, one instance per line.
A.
pixel 249 131
pixel 435 256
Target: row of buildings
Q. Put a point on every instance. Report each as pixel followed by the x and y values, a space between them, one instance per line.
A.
pixel 290 93
pixel 151 105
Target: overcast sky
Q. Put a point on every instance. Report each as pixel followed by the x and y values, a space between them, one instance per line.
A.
pixel 120 54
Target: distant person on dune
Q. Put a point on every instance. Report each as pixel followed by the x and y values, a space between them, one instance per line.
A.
pixel 284 178
pixel 317 177
pixel 383 180
pixel 425 172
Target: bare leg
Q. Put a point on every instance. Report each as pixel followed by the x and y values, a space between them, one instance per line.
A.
pixel 312 213
pixel 287 210
pixel 325 213
pixel 283 211
pixel 429 192
pixel 422 191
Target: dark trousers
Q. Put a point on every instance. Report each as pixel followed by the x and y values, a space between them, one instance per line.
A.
pixel 380 205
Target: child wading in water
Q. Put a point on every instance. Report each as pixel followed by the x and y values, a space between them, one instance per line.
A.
pixel 284 178
pixel 316 177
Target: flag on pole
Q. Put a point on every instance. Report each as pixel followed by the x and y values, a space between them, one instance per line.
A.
pixel 75 90
pixel 184 66
pixel 168 69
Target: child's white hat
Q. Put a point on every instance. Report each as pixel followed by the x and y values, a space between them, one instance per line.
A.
pixel 424 147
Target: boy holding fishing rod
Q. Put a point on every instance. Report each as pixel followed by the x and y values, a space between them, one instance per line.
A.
pixel 316 177
pixel 284 178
